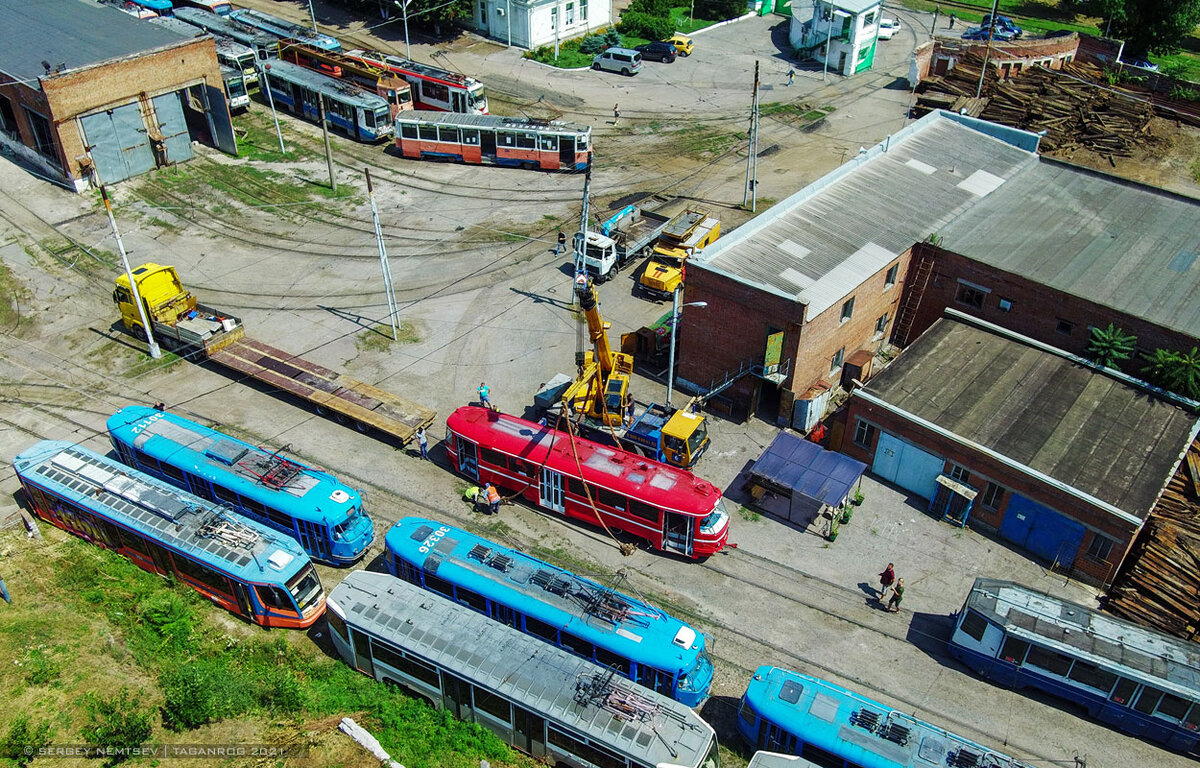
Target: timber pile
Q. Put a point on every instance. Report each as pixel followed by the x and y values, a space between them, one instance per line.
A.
pixel 1075 115
pixel 1159 582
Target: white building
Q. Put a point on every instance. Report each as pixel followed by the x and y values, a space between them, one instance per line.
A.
pixel 848 27
pixel 534 23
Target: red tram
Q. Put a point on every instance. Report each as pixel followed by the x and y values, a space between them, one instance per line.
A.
pixel 669 507
pixel 512 141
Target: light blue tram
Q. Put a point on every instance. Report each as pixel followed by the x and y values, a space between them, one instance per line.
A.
pixel 265 46
pixel 796 714
pixel 1136 679
pixel 285 30
pixel 358 114
pixel 311 505
pixel 639 641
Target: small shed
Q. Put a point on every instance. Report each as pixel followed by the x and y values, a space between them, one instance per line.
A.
pixel 796 479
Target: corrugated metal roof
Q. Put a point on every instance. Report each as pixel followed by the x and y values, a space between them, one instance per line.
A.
pixel 1117 243
pixel 1087 429
pixel 74 33
pixel 818 245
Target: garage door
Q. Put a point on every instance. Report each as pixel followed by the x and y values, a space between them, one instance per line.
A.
pixel 174 127
pixel 119 145
pixel 906 465
pixel 1041 530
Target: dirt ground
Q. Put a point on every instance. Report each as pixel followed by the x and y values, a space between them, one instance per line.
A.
pixel 1168 159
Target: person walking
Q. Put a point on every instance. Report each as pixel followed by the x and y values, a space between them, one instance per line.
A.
pixel 616 113
pixel 791 75
pixel 484 391
pixel 886 579
pixel 897 596
pixel 493 499
pixel 953 19
pixel 423 443
pixel 562 243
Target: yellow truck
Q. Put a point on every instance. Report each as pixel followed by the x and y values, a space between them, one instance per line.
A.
pixel 683 236
pixel 190 329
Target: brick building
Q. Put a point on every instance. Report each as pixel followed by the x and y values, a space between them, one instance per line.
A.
pixel 1018 438
pixel 815 283
pixel 88 92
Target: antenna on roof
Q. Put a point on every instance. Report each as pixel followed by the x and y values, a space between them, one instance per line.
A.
pixel 46 66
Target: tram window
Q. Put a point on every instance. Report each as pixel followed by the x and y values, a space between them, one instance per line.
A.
pixel 172 472
pixel 820 757
pixel 610 499
pixel 1051 661
pixel 492 704
pixel 280 518
pixel 226 495
pixel 644 510
pixel 1172 706
pixel 589 752
pixel 202 573
pixel 448 133
pixel 254 507
pixel 493 458
pixel 620 663
pixel 428 132
pixel 408 130
pixel 274 597
pixel 131 540
pixel 1092 676
pixel 541 629
pixel 577 645
pixel 1193 717
pixel 524 468
pixel 1148 699
pixel 470 136
pixel 974 624
pixel 505 139
pixel 548 142
pixel 526 141
pixel 439 585
pixel 337 624
pixel 1124 691
pixel 1014 650
pixel 575 487
pixel 747 714
pixel 408 572
pixel 415 669
pixel 473 599
pixel 664 682
pixel 436 91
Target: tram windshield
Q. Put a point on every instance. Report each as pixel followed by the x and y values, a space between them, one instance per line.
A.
pixel 477 100
pixel 713 758
pixel 305 588
pixel 714 521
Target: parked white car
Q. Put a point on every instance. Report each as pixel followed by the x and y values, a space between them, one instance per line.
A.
pixel 888 28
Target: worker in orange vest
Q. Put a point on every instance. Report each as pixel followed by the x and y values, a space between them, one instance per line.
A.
pixel 493 499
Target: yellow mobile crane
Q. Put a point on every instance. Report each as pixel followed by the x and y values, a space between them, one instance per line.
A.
pixel 601 391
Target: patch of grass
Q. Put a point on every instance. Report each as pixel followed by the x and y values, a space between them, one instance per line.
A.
pixel 781 108
pixel 163 224
pixel 749 515
pixel 379 338
pixel 13 294
pixel 704 141
pixel 1194 170
pixel 569 56
pixel 257 140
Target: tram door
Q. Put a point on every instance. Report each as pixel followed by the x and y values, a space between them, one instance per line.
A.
pixel 459 102
pixel 468 459
pixel 551 489
pixel 456 697
pixel 529 732
pixel 362 653
pixel 506 615
pixel 678 532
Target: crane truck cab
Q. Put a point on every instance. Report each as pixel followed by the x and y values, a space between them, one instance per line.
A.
pixel 686 234
pixel 673 437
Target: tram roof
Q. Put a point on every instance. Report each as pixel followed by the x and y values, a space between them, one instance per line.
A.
pixel 826 713
pixel 73 33
pixel 776 760
pixel 494 122
pixel 162 512
pixel 540 676
pixel 182 28
pixel 294 73
pixel 549 593
pixel 224 26
pixel 656 483
pixel 1089 634
pixel 232 463
pixel 416 67
pixel 277 26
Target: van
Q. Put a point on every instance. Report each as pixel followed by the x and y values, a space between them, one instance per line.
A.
pixel 623 60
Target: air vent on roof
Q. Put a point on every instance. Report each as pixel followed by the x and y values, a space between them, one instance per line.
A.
pixel 963 758
pixel 502 563
pixel 479 552
pixel 896 733
pixel 421 533
pixel 866 719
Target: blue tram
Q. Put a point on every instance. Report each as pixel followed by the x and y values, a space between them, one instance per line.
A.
pixel 284 30
pixel 638 640
pixel 1139 680
pixel 561 709
pixel 359 115
pixel 312 506
pixel 802 715
pixel 161 7
pixel 252 571
pixel 264 46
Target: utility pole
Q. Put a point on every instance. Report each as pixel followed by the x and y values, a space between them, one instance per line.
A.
pixel 751 192
pixel 579 244
pixel 389 289
pixel 325 130
pixel 407 49
pixel 313 16
pixel 155 352
pixel 988 50
pixel 266 85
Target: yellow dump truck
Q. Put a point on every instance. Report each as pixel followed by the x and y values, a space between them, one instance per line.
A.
pixel 190 329
pixel 683 236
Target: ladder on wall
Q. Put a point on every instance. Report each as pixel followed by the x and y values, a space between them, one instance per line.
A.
pixel 919 275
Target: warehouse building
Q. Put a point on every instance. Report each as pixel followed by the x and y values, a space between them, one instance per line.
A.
pixel 996 430
pixel 89 94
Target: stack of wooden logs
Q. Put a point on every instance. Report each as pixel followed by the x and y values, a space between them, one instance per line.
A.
pixel 1074 114
pixel 1159 583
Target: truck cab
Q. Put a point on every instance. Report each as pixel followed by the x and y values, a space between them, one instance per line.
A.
pixel 178 321
pixel 600 256
pixel 678 438
pixel 687 234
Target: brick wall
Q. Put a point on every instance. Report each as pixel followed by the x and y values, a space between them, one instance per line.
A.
pixel 19 98
pixel 984 469
pixel 1007 59
pixel 1037 311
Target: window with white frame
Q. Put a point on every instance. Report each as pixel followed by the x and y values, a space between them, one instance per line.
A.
pixel 838 358
pixel 892 273
pixel 881 325
pixel 570 14
pixel 864 434
pixel 960 473
pixel 1100 547
pixel 848 309
pixel 583 8
pixel 992 495
pixel 971 295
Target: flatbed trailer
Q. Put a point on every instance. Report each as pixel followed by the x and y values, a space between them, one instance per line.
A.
pixel 193 330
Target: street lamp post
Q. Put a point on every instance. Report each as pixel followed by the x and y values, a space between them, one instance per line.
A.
pixel 837 14
pixel 676 311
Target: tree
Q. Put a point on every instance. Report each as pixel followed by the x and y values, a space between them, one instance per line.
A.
pixel 719 10
pixel 1109 346
pixel 1146 26
pixel 1183 373
pixel 433 15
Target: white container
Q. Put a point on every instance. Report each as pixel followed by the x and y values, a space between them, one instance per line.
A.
pixel 228 324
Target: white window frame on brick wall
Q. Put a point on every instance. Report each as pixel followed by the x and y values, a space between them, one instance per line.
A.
pixel 893 274
pixel 1100 542
pixel 966 285
pixel 994 496
pixel 838 359
pixel 960 473
pixel 880 326
pixel 864 433
pixel 847 309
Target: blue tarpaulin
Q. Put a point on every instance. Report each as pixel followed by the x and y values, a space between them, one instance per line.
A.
pixel 805 468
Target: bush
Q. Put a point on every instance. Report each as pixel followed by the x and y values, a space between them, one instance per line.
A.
pixel 24 739
pixel 652 7
pixel 196 693
pixel 116 725
pixel 719 10
pixel 592 44
pixel 280 691
pixel 647 26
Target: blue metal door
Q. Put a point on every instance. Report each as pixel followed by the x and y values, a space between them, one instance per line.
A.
pixel 118 143
pixel 173 127
pixel 1041 530
pixel 906 465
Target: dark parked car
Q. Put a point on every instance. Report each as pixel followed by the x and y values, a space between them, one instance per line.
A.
pixel 664 52
pixel 1002 22
pixel 1141 62
pixel 981 33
